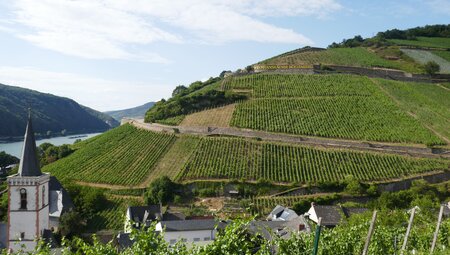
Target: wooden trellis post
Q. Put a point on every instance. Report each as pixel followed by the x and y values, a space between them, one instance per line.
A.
pixel 369 235
pixel 433 245
pixel 408 230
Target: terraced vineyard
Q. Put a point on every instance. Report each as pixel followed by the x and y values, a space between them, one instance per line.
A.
pixel 430 103
pixel 432 42
pixel 113 216
pixel 336 106
pixel 336 56
pixel 122 156
pixel 232 158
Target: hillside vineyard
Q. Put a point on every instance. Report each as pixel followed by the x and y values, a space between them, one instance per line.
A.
pixel 337 106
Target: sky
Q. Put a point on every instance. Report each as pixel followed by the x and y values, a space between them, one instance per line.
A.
pixel 115 54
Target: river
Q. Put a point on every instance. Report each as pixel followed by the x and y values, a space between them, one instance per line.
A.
pixel 15 148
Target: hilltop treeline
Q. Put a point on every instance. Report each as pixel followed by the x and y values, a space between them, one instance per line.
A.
pixel 198 96
pixel 408 34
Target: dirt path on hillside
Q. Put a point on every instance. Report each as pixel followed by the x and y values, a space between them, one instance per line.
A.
pixel 414 150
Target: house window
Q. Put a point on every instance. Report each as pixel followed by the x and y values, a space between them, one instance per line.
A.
pixel 196 239
pixel 22 235
pixel 43 196
pixel 173 241
pixel 23 199
pixel 183 240
pixel 206 239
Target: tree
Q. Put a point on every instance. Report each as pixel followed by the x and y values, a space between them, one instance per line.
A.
pixel 64 151
pixel 71 224
pixel 249 69
pixel 179 90
pixel 6 159
pixel 161 190
pixel 353 186
pixel 431 67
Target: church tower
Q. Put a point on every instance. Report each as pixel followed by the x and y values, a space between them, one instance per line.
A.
pixel 28 198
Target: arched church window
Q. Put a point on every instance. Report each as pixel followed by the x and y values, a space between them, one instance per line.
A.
pixel 43 196
pixel 23 199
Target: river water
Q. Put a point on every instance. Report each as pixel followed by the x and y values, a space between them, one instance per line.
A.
pixel 15 148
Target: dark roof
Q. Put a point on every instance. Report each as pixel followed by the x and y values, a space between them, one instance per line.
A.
pixel 3 231
pixel 29 164
pixel 173 216
pixel 191 225
pixel 124 240
pixel 142 214
pixel 331 214
pixel 54 184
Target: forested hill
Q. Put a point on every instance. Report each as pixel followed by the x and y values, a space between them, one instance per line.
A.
pixel 50 113
pixel 135 112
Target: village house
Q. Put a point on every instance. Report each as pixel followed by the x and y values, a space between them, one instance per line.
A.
pixel 331 215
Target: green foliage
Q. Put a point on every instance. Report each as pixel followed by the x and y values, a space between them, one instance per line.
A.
pixel 124 155
pixel 182 105
pixel 353 186
pixel 87 200
pixel 345 239
pixel 6 159
pixel 3 206
pixel 172 121
pixel 338 106
pixel 231 158
pixel 49 153
pixel 50 113
pixel 179 90
pixel 428 42
pixel 431 67
pixel 161 190
pixel 71 224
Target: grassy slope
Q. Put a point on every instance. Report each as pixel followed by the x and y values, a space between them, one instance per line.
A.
pixel 174 160
pixel 422 56
pixel 233 158
pixel 215 117
pixel 342 56
pixel 443 54
pixel 432 42
pixel 123 156
pixel 429 102
pixel 339 106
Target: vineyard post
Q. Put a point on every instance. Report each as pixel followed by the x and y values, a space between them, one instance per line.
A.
pixel 317 236
pixel 369 235
pixel 433 245
pixel 408 230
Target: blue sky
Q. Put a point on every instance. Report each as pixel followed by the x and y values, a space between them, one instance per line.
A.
pixel 116 54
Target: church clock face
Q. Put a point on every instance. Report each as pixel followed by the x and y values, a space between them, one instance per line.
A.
pixel 23 191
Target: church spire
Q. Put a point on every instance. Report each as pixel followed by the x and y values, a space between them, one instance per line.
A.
pixel 29 164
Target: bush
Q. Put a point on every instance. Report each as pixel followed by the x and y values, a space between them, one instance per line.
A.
pixel 431 67
pixel 161 190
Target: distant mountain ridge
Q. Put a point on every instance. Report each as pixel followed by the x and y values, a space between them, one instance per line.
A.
pixel 50 113
pixel 135 112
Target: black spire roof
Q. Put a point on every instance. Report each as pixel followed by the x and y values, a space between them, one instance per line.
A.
pixel 29 164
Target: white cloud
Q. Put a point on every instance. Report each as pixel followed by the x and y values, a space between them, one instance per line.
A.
pixel 96 93
pixel 108 29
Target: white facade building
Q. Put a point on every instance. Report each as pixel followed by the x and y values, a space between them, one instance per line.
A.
pixel 29 202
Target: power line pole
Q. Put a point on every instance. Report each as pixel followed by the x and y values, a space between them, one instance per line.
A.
pixel 408 230
pixel 317 237
pixel 433 245
pixel 369 235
